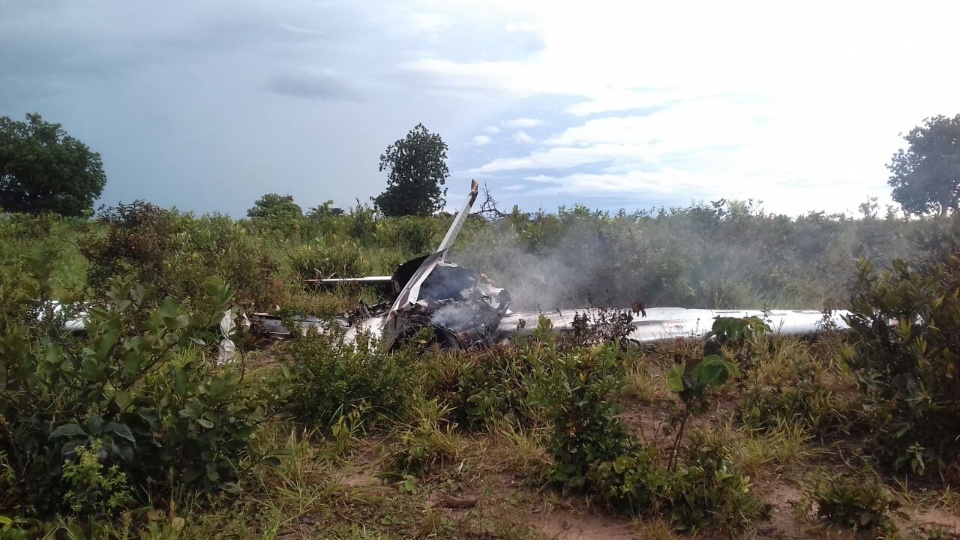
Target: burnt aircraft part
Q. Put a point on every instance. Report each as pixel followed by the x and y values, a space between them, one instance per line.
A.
pixel 271 326
pixel 465 310
pixel 385 285
pixel 418 317
pixel 677 323
pixel 449 298
pixel 460 218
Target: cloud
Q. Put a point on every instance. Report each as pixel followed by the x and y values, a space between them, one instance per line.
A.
pixel 521 123
pixel 797 104
pixel 314 85
pixel 522 138
pixel 638 141
pixel 730 145
pixel 477 78
pixel 481 140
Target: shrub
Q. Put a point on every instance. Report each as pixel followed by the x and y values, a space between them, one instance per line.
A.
pixel 94 489
pixel 138 385
pixel 413 235
pixel 333 377
pixel 798 395
pixel 136 240
pixel 907 358
pixel 576 392
pixel 484 388
pixel 331 257
pixel 215 245
pixel 854 502
pixel 176 253
pixel 707 488
pixel 427 441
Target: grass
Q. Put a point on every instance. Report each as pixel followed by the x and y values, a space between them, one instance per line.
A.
pixel 785 422
pixel 421 476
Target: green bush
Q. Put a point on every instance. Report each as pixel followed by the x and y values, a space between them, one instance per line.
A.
pixel 706 489
pixel 482 388
pixel 576 389
pixel 907 359
pixel 799 396
pixel 215 245
pixel 855 502
pixel 413 235
pixel 133 240
pixel 95 490
pixel 331 257
pixel 176 253
pixel 139 384
pixel 333 377
pixel 634 482
pixel 576 392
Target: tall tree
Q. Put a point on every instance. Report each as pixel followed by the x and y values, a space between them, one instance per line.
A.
pixel 43 169
pixel 275 207
pixel 278 213
pixel 418 170
pixel 926 176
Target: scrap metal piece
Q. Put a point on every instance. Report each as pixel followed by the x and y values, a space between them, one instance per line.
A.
pixel 461 217
pixel 679 323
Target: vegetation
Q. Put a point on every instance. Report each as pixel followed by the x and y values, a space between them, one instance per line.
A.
pixel 43 169
pixel 417 170
pixel 926 176
pixel 135 429
pixel 907 321
pixel 276 211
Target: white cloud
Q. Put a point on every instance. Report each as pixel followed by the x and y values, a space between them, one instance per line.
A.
pixel 798 104
pixel 802 103
pixel 522 138
pixel 521 123
pixel 481 140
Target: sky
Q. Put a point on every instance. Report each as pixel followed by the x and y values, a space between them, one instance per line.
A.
pixel 207 105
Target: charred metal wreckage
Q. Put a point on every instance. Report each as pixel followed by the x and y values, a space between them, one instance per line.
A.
pixel 465 310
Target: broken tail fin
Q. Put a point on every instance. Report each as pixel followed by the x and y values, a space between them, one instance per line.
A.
pixel 460 218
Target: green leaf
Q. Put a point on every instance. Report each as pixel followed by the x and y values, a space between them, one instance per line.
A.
pixel 205 423
pixel 107 341
pixel 75 531
pixel 270 461
pixel 715 370
pixel 212 473
pixel 675 378
pixel 169 310
pixel 68 430
pixel 132 363
pixel 120 430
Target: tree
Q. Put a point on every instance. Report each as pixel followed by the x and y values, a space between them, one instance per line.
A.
pixel 418 169
pixel 275 207
pixel 277 213
pixel 324 210
pixel 43 169
pixel 926 176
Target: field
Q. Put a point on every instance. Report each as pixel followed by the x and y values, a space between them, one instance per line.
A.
pixel 135 430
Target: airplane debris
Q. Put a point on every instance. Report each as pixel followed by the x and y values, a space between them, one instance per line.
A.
pixel 465 310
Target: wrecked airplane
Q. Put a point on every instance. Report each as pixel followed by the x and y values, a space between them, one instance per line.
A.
pixel 466 311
